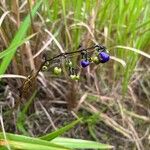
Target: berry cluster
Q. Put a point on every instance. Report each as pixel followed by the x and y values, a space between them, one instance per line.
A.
pixel 99 55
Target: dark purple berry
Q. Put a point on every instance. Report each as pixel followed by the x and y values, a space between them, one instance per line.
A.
pixel 104 57
pixel 84 63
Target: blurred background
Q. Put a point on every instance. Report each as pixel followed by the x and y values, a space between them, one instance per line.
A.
pixel 113 98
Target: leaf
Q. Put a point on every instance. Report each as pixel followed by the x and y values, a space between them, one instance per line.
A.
pixel 28 143
pixel 60 131
pixel 13 47
pixel 20 35
pixel 80 144
pixel 21 116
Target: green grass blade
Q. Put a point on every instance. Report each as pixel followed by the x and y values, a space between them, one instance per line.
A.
pixel 80 144
pixel 14 47
pixel 20 35
pixel 60 131
pixel 22 115
pixel 28 143
pixel 28 146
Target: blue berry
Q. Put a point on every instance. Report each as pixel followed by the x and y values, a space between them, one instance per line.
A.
pixel 104 57
pixel 84 63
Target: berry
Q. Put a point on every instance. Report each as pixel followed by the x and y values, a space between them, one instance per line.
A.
pixel 95 59
pixel 84 63
pixel 75 77
pixel 104 57
pixel 57 71
pixel 69 64
pixel 44 68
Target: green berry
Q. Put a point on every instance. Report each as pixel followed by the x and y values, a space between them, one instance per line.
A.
pixel 95 59
pixel 44 68
pixel 57 71
pixel 69 64
pixel 75 77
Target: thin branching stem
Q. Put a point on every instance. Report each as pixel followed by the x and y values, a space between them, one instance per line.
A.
pixel 100 47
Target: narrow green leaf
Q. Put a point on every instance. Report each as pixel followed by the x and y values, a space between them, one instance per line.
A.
pixel 25 141
pixel 60 131
pixel 20 35
pixel 22 115
pixel 14 47
pixel 80 144
pixel 29 146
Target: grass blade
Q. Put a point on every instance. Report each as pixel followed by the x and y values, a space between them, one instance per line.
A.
pixel 80 144
pixel 28 143
pixel 134 50
pixel 60 131
pixel 14 47
pixel 20 35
